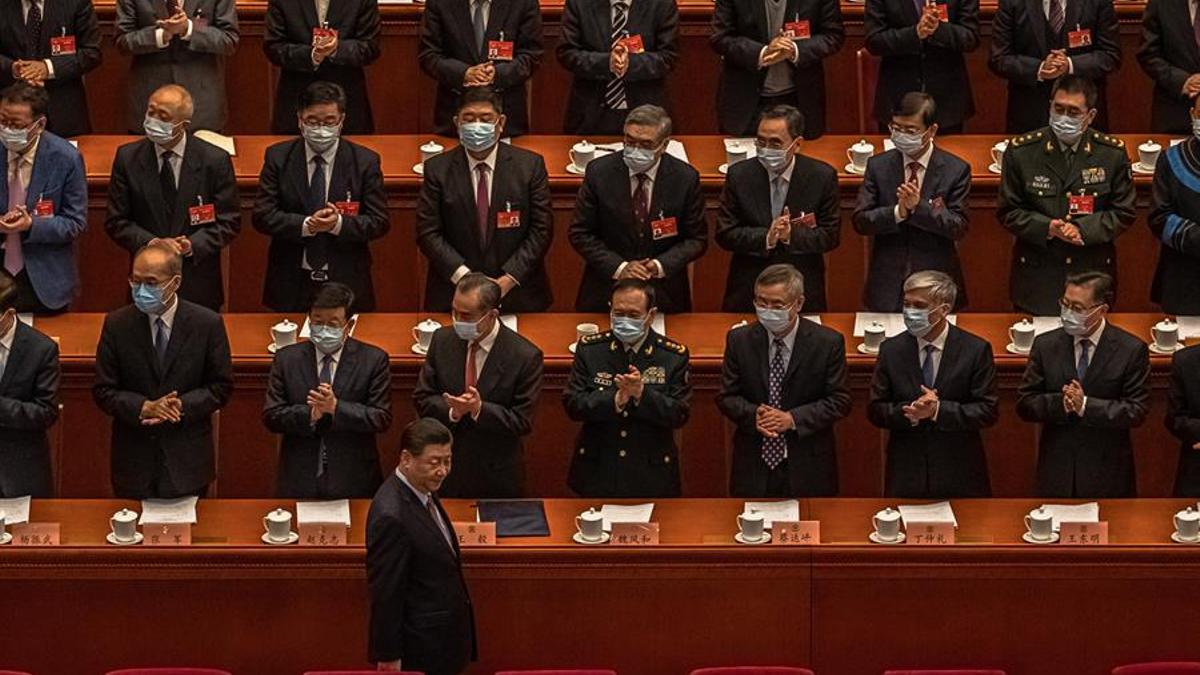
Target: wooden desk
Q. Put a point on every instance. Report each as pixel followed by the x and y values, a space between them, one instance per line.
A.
pixel 230 601
pixel 399 268
pixel 247 452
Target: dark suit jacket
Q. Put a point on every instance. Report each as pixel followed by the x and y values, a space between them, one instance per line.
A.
pixel 587 44
pixel 935 65
pixel 448 236
pixel 1183 418
pixel 421 610
pixel 489 459
pixel 137 213
pixel 448 48
pixel 68 112
pixel 288 44
pixel 605 234
pixel 1169 55
pixel 814 393
pixel 740 30
pixel 197 366
pixel 279 211
pixel 745 217
pixel 926 240
pixel 28 407
pixel 1088 456
pixel 942 458
pixel 1021 40
pixel 363 386
pixel 1174 221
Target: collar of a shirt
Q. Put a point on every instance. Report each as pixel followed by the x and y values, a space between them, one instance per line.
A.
pixel 490 160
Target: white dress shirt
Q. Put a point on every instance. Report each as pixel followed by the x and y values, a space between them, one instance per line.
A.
pixel 1046 12
pixel 6 343
pixel 176 158
pixel 939 347
pixel 484 348
pixel 424 498
pixel 490 162
pixel 310 166
pixel 786 175
pixel 168 318
pixel 789 343
pixel 1094 339
pixel 648 188
pixel 922 166
pixel 487 12
pixel 333 364
pixel 25 17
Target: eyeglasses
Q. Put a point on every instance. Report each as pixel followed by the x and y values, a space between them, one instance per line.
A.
pixel 896 128
pixel 1067 304
pixel 134 282
pixel 763 304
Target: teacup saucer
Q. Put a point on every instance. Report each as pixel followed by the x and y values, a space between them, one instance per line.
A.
pixel 292 538
pixel 578 539
pixel 1013 349
pixel 272 348
pixel 864 349
pixel 574 170
pixel 994 167
pixel 137 539
pixel 875 539
pixel 5 538
pixel 419 168
pixel 1138 167
pixel 854 170
pixel 723 169
pixel 1180 540
pixel 418 349
pixel 1029 539
pixel 765 539
pixel 1159 350
pixel 571 347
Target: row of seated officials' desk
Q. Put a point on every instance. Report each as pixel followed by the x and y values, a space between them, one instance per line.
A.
pixel 404 95
pixel 399 267
pixel 246 453
pixel 844 607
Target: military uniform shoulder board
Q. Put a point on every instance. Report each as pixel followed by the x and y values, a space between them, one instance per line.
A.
pixel 1105 139
pixel 596 338
pixel 1027 139
pixel 671 345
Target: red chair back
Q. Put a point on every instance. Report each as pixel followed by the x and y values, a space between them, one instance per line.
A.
pixel 753 670
pixel 583 671
pixel 1160 668
pixel 358 672
pixel 13 672
pixel 169 671
pixel 951 671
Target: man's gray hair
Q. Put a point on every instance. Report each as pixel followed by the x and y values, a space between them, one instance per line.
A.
pixel 942 289
pixel 648 115
pixel 783 273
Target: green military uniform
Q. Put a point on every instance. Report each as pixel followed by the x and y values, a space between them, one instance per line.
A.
pixel 631 452
pixel 1037 182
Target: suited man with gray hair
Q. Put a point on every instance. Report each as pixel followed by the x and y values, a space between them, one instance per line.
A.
pixel 934 389
pixel 171 44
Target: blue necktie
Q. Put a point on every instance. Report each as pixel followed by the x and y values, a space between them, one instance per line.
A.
pixel 326 377
pixel 1082 366
pixel 927 374
pixel 773 449
pixel 160 340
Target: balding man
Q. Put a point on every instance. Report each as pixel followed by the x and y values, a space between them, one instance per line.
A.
pixel 162 370
pixel 174 188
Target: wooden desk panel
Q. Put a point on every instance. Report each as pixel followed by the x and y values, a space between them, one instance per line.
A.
pixel 247 452
pixel 696 600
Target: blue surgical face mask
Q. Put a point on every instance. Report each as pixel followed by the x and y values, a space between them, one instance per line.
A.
pixel 1068 129
pixel 776 321
pixel 639 160
pixel 477 136
pixel 327 339
pixel 1075 323
pixel 1196 127
pixel 628 329
pixel 148 298
pixel 320 137
pixel 774 159
pixel 15 140
pixel 158 131
pixel 466 330
pixel 916 321
pixel 908 144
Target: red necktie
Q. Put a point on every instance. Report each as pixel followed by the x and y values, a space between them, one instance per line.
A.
pixel 470 374
pixel 912 171
pixel 481 203
pixel 641 208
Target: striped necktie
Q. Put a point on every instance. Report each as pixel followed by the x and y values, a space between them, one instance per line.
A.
pixel 614 92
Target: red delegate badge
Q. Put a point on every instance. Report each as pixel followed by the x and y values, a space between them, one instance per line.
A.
pixel 633 43
pixel 500 50
pixel 62 45
pixel 44 208
pixel 202 213
pixel 1081 205
pixel 664 227
pixel 322 33
pixel 1080 37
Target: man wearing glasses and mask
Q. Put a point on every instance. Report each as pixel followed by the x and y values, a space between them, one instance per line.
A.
pixel 1066 194
pixel 783 387
pixel 913 203
pixel 1087 384
pixel 783 208
pixel 630 388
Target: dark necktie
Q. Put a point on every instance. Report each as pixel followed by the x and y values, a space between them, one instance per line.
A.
pixel 1081 367
pixel 614 91
pixel 1057 16
pixel 927 374
pixel 470 376
pixel 316 247
pixel 482 203
pixel 641 206
pixel 166 178
pixel 773 449
pixel 160 340
pixel 326 377
pixel 33 29
pixel 438 522
pixel 480 25
pixel 912 171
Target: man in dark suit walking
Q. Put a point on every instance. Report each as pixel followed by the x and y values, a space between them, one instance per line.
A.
pixel 52 45
pixel 162 369
pixel 913 203
pixel 481 43
pixel 1170 55
pixel 1183 418
pixel 783 208
pixel 620 53
pixel 921 46
pixel 783 386
pixel 773 53
pixel 330 397
pixel 322 41
pixel 174 188
pixel 639 215
pixel 29 377
pixel 485 207
pixel 1034 43
pixel 483 380
pixel 421 614
pixel 933 390
pixel 1087 384
pixel 321 200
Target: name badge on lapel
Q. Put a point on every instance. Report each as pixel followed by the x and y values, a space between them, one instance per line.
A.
pixel 798 29
pixel 62 45
pixel 942 10
pixel 201 213
pixel 806 220
pixel 500 50
pixel 1093 175
pixel 508 218
pixel 43 208
pixel 633 43
pixel 654 375
pixel 1081 204
pixel 664 227
pixel 1080 37
pixel 348 207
